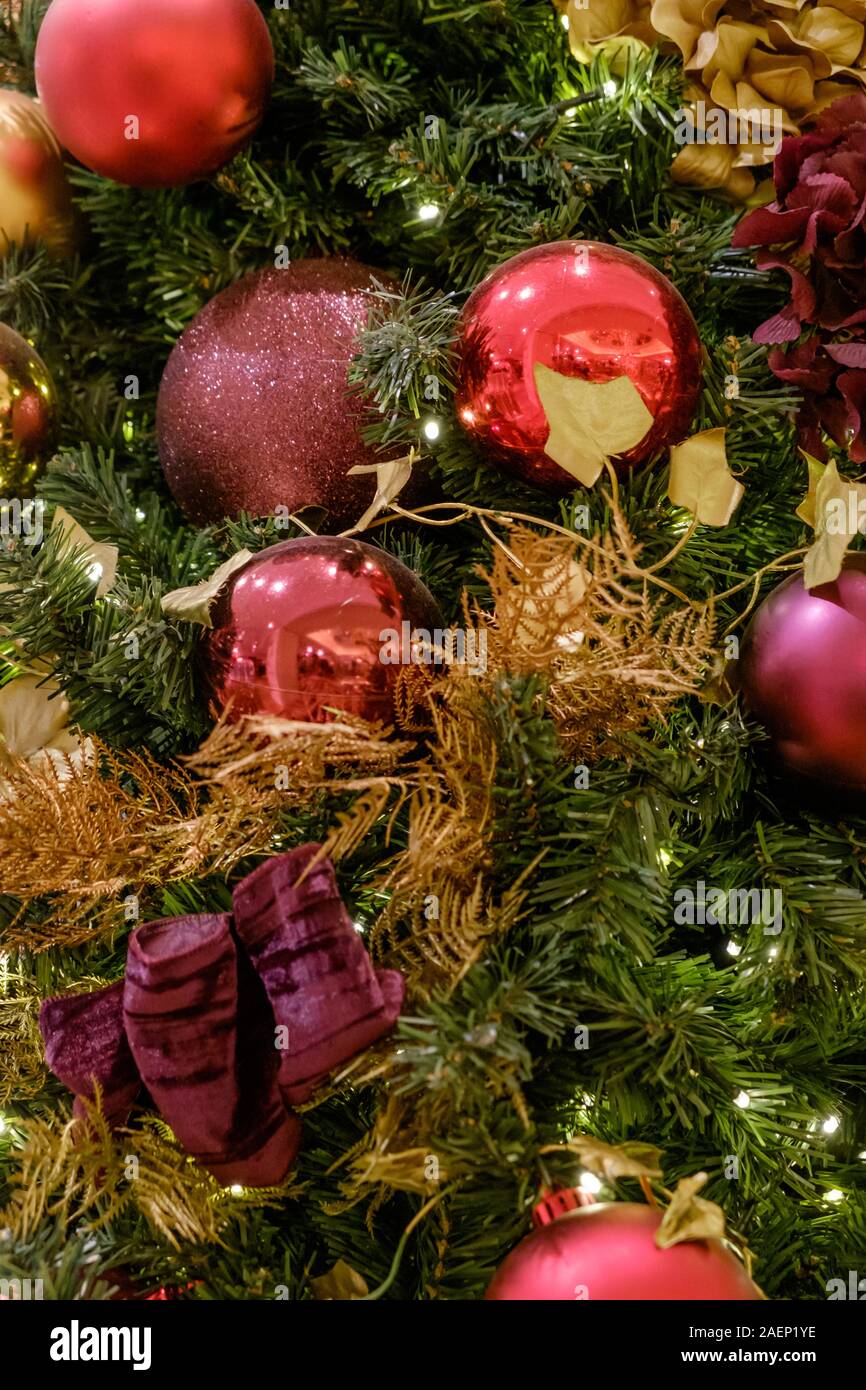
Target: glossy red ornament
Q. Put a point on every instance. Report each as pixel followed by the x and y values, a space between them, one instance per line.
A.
pixel 585 310
pixel 607 1251
pixel 253 412
pixel 802 673
pixel 154 93
pixel 303 630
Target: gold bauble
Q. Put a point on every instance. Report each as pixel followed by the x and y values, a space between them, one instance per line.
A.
pixel 28 415
pixel 35 196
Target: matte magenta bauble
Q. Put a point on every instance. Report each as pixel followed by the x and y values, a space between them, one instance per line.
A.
pixel 585 310
pixel 154 93
pixel 802 673
pixel 299 631
pixel 608 1251
pixel 253 412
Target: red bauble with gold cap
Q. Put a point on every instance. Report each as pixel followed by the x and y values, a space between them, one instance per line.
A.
pixel 607 1251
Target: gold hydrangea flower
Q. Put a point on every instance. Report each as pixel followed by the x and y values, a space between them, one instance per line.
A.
pixel 790 58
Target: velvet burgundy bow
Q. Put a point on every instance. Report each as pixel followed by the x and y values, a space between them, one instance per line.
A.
pixel 228 1021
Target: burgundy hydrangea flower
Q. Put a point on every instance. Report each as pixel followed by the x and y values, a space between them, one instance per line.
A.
pixel 816 232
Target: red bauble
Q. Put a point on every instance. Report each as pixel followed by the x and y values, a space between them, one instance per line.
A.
pixel 300 631
pixel 253 412
pixel 802 673
pixel 584 310
pixel 154 94
pixel 608 1251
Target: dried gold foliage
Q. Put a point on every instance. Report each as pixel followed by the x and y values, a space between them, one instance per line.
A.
pixel 413 687
pixel 21 1048
pixel 75 1174
pixel 290 763
pixel 393 1155
pixel 353 826
pixel 82 1172
pixel 441 909
pixel 76 837
pixel 618 650
pixel 611 644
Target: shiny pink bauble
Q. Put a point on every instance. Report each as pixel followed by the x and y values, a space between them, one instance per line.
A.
pixel 300 631
pixel 802 673
pixel 253 412
pixel 585 310
pixel 194 74
pixel 608 1251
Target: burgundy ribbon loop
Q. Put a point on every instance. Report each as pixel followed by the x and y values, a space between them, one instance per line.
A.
pixel 323 989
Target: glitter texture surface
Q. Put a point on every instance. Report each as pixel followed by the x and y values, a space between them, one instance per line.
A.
pixel 253 412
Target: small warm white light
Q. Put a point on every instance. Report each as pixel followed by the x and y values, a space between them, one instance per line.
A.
pixel 428 211
pixel 236 1190
pixel 609 88
pixel 862 1155
pixel 743 1100
pixel 139 514
pixel 733 949
pixel 831 1124
pixel 564 20
pixel 773 951
pixel 834 1195
pixel 2 1124
pixel 359 927
pixel 431 430
pixel 589 1183
pixel 95 572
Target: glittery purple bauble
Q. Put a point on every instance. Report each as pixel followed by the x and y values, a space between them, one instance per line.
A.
pixel 802 672
pixel 253 412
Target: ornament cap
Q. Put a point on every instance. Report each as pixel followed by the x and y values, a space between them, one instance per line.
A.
pixel 559 1202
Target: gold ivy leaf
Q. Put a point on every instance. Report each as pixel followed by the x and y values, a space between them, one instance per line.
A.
pixel 102 559
pixel 33 714
pixel 690 1217
pixel 838 504
pixel 718 689
pixel 701 480
pixel 546 609
pixel 193 604
pixel 589 420
pixel 806 509
pixel 391 478
pixel 33 727
pixel 612 1161
pixel 341 1284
